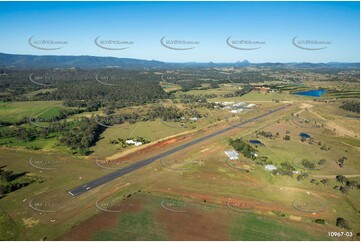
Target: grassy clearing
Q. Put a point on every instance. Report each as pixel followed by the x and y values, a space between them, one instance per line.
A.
pixel 212 180
pixel 33 93
pixel 15 111
pixel 8 228
pixel 254 227
pixel 150 130
pixel 132 227
pixel 256 96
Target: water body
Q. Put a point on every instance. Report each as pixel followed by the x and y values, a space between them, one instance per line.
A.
pixel 304 135
pixel 312 93
pixel 256 142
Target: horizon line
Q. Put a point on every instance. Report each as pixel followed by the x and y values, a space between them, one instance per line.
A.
pixel 170 62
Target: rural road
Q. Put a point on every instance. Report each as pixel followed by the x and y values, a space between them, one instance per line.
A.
pixel 118 173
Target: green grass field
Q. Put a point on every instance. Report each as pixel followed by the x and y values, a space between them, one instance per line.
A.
pixel 8 228
pixel 206 184
pixel 14 111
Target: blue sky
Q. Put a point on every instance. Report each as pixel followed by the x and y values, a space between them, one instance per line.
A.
pixel 209 23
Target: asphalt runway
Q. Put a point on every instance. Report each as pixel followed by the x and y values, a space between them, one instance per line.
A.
pixel 121 172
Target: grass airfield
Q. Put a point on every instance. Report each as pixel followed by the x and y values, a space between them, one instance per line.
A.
pixel 195 189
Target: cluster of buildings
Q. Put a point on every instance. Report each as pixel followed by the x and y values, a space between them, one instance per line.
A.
pixel 233 155
pixel 235 107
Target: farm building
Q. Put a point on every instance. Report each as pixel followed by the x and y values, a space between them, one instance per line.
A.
pixel 132 142
pixel 237 110
pixel 240 104
pixel 270 167
pixel 251 105
pixel 232 154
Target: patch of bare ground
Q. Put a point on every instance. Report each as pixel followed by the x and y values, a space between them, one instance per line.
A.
pixel 101 221
pixel 194 224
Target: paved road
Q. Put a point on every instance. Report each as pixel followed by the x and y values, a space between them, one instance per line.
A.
pixel 118 173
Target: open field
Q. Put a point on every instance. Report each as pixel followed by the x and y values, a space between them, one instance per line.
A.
pixel 15 111
pixel 195 189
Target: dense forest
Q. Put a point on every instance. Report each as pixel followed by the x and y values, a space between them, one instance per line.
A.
pixel 83 88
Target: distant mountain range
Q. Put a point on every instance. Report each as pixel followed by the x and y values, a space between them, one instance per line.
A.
pixel 53 61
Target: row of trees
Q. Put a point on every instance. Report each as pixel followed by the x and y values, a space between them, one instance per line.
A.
pixel 11 181
pixel 243 147
pixel 353 106
pixel 347 184
pixel 171 113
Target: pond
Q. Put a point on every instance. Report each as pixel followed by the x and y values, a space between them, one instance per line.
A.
pixel 312 93
pixel 256 142
pixel 304 135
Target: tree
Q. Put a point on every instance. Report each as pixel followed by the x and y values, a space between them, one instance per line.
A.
pixel 342 179
pixel 342 223
pixel 308 164
pixel 320 221
pixel 341 161
pixel 302 176
pixel 325 182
